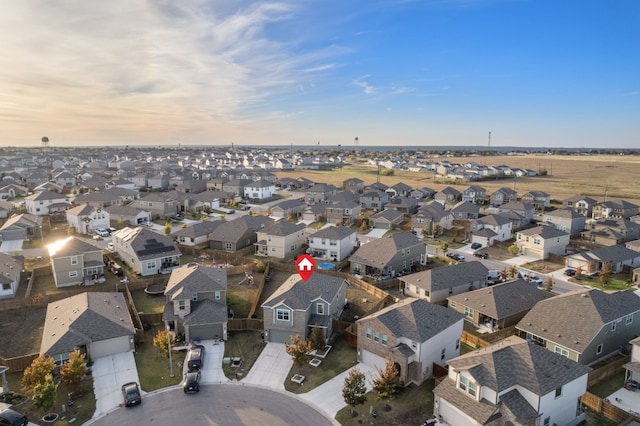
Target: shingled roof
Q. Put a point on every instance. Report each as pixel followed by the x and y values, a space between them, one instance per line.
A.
pixel 380 252
pixel 191 279
pixel 298 294
pixel 447 276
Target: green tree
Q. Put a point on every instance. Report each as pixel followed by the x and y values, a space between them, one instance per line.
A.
pixel 260 267
pixel 387 383
pixel 605 274
pixel 74 370
pixel 161 341
pixel 36 373
pixel 355 389
pixel 298 349
pixel 548 284
pixel 513 250
pixel 444 247
pixel 436 229
pixel 317 338
pixel 167 228
pixel 513 271
pixel 44 394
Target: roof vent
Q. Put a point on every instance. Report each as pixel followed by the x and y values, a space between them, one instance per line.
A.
pixel 529 324
pixel 544 329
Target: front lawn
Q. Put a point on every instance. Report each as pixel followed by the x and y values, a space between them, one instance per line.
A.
pixel 153 366
pixel 412 406
pixel 617 282
pixel 247 345
pixel 341 357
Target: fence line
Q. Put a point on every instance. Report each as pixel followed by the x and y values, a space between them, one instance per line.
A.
pixel 604 407
pixel 18 363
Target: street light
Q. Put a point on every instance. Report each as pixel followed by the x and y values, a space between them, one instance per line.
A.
pixel 169 344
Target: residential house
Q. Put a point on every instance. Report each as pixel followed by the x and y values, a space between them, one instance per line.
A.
pixel 47 203
pixel 193 186
pixel 280 239
pixel 353 184
pixel 413 334
pixel 114 196
pixel 24 226
pixel 238 233
pixel 76 262
pixel 447 195
pixel 85 219
pixel 499 225
pixel 580 204
pixel 584 325
pixel 609 232
pixel 196 302
pixel 389 255
pixel 65 179
pixel 374 199
pixel 567 220
pixel 12 190
pixel 541 241
pixel 196 234
pixel 319 193
pixel 158 181
pixel 315 213
pixel 435 285
pixel 237 186
pixel 283 209
pixel 431 217
pixel 6 208
pixel 502 196
pixel 334 243
pixel 158 204
pixel 298 306
pixel 512 382
pixel 539 199
pixel 400 189
pixel 259 190
pixel 591 262
pixel 146 252
pixel 474 194
pixel 407 205
pixel 343 212
pixel 615 209
pixel 120 215
pixel 499 306
pixel 387 219
pixel 423 193
pixel 465 210
pixel 633 366
pixel 525 210
pixel 10 273
pixel 96 323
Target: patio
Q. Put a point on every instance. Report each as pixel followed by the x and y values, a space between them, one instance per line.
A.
pixel 627 400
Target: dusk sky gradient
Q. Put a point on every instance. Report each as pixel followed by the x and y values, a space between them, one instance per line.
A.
pixel 551 73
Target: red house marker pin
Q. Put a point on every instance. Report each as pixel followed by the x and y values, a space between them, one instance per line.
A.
pixel 305 266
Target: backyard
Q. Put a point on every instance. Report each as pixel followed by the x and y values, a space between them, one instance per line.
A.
pixel 28 324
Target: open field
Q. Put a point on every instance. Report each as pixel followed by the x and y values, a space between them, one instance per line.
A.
pixel 567 175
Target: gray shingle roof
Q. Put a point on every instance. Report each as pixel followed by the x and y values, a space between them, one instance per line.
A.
pixel 205 311
pixel 191 279
pixel 282 228
pixel 334 232
pixel 233 230
pixel 573 319
pixel 414 319
pixel 379 252
pixel 199 229
pixel 71 247
pixel 148 244
pixel 545 232
pixel 502 300
pixel 298 294
pixel 447 276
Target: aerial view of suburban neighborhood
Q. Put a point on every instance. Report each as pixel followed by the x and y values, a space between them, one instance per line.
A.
pixel 351 285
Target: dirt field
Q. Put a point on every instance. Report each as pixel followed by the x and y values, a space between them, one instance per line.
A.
pixel 21 331
pixel 567 175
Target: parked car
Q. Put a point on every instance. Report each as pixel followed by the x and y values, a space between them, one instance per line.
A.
pixel 191 382
pixel 103 232
pixel 131 394
pixel 476 246
pixel 195 358
pixel 481 255
pixel 11 417
pixel 570 272
pixel 110 247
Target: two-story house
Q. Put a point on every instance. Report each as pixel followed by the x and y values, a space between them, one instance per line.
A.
pixel 280 239
pixel 474 194
pixel 374 199
pixel 145 251
pixel 525 210
pixel 75 262
pixel 567 220
pixel 85 219
pixel 343 212
pixel 259 190
pixel 236 234
pixel 584 325
pixel 10 270
pixel 447 195
pixel 196 302
pixel 580 204
pixel 413 334
pixel 465 210
pixel 46 203
pixel 319 193
pixel 158 204
pixel 353 184
pixel 435 285
pixel 298 306
pixel 490 228
pixel 502 196
pixel 539 199
pixel 286 208
pixel 430 218
pixel 387 256
pixel 615 209
pixel 540 241
pixel 511 382
pixel 333 243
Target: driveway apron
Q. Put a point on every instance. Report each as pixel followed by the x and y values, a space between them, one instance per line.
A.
pixel 271 368
pixel 109 374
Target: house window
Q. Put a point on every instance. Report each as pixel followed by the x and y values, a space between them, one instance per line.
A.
pixel 547 421
pixel 73 274
pixel 468 312
pixel 282 315
pixel 333 243
pixel 376 336
pixel 320 308
pixel 452 304
pixel 561 351
pixel 559 392
pixel 324 241
pixel 6 286
pixel 269 239
pixel 182 304
pixel 217 295
pixel 613 326
pixel 457 344
pixel 472 389
pixel 414 345
pixel 74 260
pixel 368 333
pixel 194 297
pixel 228 246
pixel 151 264
pixel 417 292
pixel 443 352
pixel 450 290
pixel 294 247
pixel 599 349
pixel 384 339
pixel 628 320
pixel 465 385
pixel 536 241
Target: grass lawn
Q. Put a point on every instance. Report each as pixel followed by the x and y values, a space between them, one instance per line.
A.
pixel 617 282
pixel 412 406
pixel 244 344
pixel 543 266
pixel 148 303
pixel 608 386
pixel 361 304
pixel 153 366
pixel 341 357
pixel 240 297
pixel 84 402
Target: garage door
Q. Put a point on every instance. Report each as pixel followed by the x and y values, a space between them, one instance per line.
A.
pixel 279 336
pixel 110 347
pixel 205 332
pixel 372 360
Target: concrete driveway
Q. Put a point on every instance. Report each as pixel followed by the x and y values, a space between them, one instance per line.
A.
pixel 10 246
pixel 109 374
pixel 271 368
pixel 211 372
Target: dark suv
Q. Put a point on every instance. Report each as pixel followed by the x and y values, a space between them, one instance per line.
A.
pixel 10 417
pixel 195 357
pixel 191 382
pixel 131 394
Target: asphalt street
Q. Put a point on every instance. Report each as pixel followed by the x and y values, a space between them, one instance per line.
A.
pixel 220 405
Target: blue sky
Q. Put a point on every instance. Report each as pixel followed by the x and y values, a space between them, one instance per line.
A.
pixel 390 72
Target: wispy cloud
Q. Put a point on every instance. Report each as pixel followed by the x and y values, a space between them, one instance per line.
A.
pixel 366 87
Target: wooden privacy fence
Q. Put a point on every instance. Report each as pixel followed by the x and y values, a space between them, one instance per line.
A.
pixel 473 341
pixel 18 363
pixel 604 407
pixel 608 370
pixel 244 324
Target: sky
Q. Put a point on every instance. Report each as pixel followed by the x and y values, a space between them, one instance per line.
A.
pixel 534 73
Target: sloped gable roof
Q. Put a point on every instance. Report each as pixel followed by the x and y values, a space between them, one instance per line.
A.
pixel 299 295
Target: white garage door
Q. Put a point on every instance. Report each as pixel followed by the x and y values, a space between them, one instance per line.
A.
pixel 372 360
pixel 110 347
